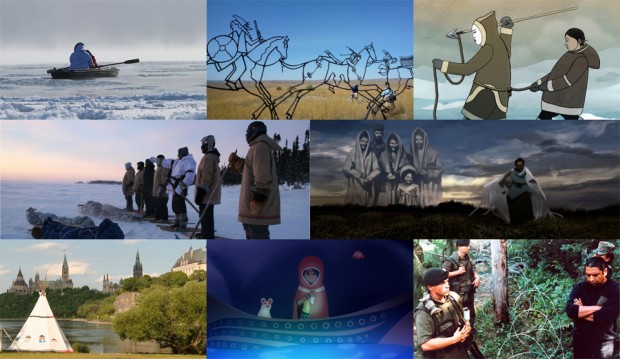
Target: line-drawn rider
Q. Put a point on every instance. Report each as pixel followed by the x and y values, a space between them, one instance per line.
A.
pixel 240 33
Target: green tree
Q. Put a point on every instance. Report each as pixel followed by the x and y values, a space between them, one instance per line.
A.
pixel 198 275
pixel 175 318
pixel 172 279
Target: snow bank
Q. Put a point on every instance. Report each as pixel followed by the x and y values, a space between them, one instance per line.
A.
pixel 62 200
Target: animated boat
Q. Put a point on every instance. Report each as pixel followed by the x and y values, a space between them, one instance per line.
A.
pixel 390 322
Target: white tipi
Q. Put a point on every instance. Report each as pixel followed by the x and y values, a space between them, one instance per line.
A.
pixel 41 332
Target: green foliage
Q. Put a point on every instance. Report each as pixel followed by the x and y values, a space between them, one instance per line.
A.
pixel 198 275
pixel 102 310
pixel 175 317
pixel 279 88
pixel 172 279
pixel 80 347
pixel 65 304
pixel 538 325
pixel 137 284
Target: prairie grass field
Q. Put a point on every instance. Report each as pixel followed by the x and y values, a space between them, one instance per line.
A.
pixel 352 222
pixel 319 104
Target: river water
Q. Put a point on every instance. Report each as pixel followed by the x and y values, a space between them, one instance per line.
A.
pixel 100 338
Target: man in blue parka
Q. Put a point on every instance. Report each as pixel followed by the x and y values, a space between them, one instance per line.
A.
pixel 80 59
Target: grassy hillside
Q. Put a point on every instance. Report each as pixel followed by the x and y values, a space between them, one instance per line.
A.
pixel 452 220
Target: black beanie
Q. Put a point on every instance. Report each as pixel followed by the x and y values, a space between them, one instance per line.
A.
pixel 462 242
pixel 434 276
pixel 183 151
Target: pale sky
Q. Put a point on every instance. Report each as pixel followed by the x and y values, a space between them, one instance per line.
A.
pixel 532 41
pixel 88 260
pixel 69 151
pixel 45 31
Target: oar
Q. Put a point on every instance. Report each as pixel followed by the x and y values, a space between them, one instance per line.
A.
pixel 133 61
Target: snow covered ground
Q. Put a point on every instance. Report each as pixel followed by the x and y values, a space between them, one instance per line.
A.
pixel 62 200
pixel 146 90
pixel 601 99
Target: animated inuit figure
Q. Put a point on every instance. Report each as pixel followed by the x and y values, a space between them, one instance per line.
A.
pixel 488 97
pixel 516 196
pixel 311 299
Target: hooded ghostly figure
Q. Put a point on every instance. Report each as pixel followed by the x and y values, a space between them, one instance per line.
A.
pixel 311 298
pixel 390 162
pixel 516 196
pixel 429 168
pixel 488 98
pixel 361 168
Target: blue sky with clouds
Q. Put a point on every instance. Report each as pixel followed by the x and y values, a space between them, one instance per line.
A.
pixel 88 260
pixel 317 25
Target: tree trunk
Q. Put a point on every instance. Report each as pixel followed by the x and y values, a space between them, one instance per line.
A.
pixel 499 260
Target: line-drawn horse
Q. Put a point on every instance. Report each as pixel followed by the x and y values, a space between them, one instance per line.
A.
pixel 329 72
pixel 248 67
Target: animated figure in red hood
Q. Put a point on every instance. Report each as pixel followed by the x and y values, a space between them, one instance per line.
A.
pixel 311 299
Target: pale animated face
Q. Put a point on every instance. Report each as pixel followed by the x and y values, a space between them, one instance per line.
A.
pixel 571 44
pixel 475 32
pixel 310 275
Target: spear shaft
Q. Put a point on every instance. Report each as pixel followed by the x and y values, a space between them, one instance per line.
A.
pixel 548 13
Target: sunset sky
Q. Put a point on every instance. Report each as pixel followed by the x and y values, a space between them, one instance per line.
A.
pixel 68 151
pixel 576 162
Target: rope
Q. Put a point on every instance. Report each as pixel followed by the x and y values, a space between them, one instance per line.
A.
pixel 447 78
pixel 509 89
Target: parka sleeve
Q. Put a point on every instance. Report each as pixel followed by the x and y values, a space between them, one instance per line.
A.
pixel 478 61
pixel 566 80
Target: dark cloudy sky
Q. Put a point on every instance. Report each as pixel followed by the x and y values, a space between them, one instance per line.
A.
pixel 45 31
pixel 577 163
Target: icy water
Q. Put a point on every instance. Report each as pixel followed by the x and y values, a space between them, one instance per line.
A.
pixel 100 338
pixel 146 90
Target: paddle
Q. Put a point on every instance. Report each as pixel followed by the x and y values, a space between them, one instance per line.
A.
pixel 133 61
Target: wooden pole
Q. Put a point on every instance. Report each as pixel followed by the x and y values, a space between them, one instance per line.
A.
pixel 499 260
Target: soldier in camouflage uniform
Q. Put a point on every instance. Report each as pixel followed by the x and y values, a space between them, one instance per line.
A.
pixel 605 250
pixel 462 276
pixel 440 326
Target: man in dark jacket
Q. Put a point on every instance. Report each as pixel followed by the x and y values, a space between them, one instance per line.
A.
pixel 147 188
pixel 594 305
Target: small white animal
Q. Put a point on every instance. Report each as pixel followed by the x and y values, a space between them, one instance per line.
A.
pixel 265 308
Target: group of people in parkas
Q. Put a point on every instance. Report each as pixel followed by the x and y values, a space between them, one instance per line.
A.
pixel 259 198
